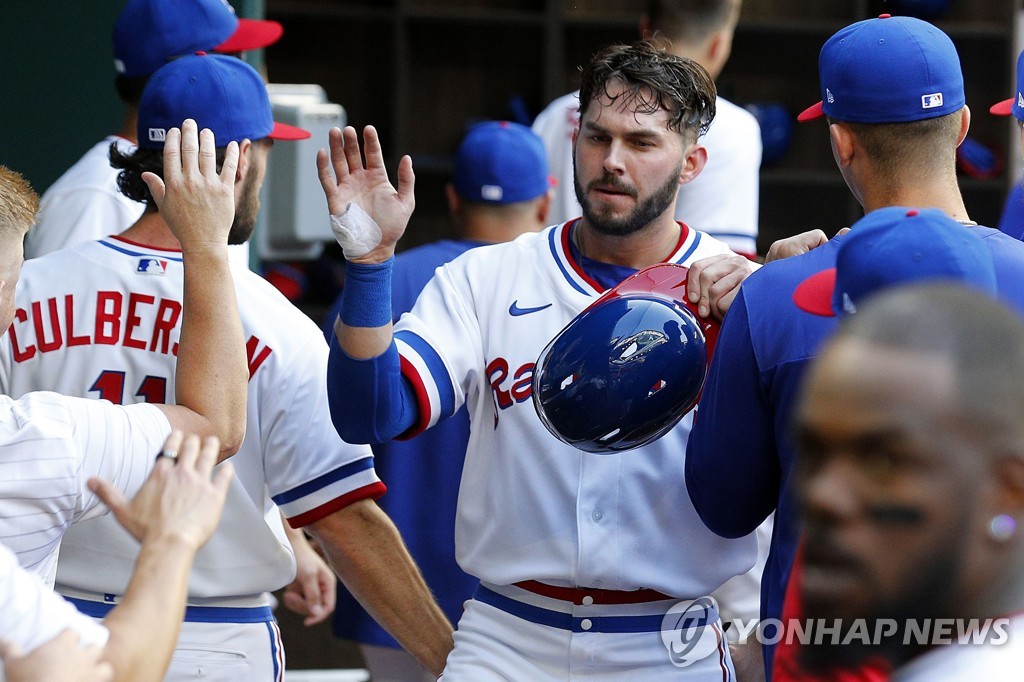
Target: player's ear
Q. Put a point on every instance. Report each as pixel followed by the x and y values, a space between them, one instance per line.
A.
pixel 544 206
pixel 842 143
pixel 693 163
pixel 965 124
pixel 454 201
pixel 244 160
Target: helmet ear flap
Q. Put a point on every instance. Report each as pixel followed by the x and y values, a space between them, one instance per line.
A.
pixel 623 372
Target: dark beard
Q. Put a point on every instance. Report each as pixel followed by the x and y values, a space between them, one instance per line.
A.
pixel 246 209
pixel 641 216
pixel 929 597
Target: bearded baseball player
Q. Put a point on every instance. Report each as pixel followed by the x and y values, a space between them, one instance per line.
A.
pixel 581 556
pixel 112 336
pixel 723 200
pixel 53 447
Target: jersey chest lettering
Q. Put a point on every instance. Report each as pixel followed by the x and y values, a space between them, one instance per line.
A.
pixel 509 387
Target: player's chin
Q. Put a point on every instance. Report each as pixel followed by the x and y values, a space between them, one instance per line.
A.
pixel 830 590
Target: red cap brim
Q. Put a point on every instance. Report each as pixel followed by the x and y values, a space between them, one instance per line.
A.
pixel 283 131
pixel 814 294
pixel 252 34
pixel 811 113
pixel 1004 108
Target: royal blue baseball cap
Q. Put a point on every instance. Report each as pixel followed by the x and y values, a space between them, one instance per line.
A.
pixel 500 162
pixel 897 245
pixel 149 33
pixel 888 70
pixel 219 92
pixel 1014 105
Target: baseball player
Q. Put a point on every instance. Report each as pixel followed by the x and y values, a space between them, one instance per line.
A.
pixel 90 438
pixel 291 457
pixel 894 147
pixel 52 447
pixel 581 557
pixel 84 203
pixel 914 404
pixel 723 199
pixel 500 189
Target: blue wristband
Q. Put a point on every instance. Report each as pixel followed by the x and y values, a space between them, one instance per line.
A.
pixel 366 297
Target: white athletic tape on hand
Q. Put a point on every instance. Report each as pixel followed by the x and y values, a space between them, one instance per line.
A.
pixel 356 232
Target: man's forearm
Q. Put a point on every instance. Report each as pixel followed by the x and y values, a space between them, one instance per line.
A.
pixel 212 372
pixel 144 626
pixel 365 550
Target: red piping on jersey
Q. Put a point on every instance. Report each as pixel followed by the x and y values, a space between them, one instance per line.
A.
pixel 684 232
pixel 422 400
pixel 145 246
pixel 371 491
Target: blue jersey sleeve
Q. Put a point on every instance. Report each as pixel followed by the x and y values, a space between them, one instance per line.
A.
pixel 732 470
pixel 370 401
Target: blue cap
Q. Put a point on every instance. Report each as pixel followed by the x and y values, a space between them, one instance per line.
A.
pixel 500 162
pixel 897 245
pixel 1014 105
pixel 888 70
pixel 221 93
pixel 149 33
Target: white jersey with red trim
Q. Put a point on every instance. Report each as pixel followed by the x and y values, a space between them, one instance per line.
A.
pixel 993 651
pixel 531 507
pixel 49 447
pixel 101 319
pixel 722 200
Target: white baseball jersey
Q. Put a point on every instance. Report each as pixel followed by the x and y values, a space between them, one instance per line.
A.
pixel 84 204
pixel 49 447
pixel 722 200
pixel 31 613
pixel 531 507
pixel 101 319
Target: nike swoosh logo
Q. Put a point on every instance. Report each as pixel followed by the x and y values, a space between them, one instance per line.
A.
pixel 515 311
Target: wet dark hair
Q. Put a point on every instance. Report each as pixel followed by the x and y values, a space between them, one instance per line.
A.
pixel 655 80
pixel 134 163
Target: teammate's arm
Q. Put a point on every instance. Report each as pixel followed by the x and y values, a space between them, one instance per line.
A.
pixel 173 515
pixel 369 401
pixel 312 593
pixel 62 659
pixel 197 203
pixel 368 555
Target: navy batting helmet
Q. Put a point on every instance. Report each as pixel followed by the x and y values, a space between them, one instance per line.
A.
pixel 623 372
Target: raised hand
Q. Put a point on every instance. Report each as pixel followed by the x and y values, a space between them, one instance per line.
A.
pixel 179 499
pixel 368 188
pixel 196 201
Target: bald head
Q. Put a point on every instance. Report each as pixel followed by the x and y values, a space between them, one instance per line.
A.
pixel 981 340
